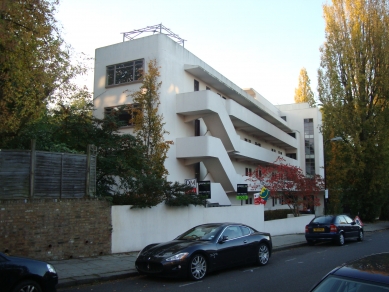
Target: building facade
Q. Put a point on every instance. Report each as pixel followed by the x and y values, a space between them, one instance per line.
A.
pixel 221 132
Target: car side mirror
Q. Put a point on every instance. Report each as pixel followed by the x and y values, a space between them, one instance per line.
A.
pixel 223 238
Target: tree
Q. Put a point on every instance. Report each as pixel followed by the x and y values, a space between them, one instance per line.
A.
pixel 289 184
pixel 35 65
pixel 303 92
pixel 354 92
pixel 149 123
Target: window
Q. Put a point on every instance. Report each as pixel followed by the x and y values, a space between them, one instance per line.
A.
pixel 123 113
pixel 248 171
pixel 224 97
pixel 284 118
pixel 292 134
pixel 291 155
pixel 196 85
pixel 309 147
pixel 258 144
pixel 207 88
pixel 232 232
pixel 124 72
pixel 249 201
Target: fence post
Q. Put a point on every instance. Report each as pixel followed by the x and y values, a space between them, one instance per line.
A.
pixel 32 168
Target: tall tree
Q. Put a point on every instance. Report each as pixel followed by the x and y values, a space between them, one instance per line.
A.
pixel 148 122
pixel 289 184
pixel 303 93
pixel 34 62
pixel 354 92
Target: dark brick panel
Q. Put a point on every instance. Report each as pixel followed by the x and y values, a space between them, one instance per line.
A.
pixel 53 230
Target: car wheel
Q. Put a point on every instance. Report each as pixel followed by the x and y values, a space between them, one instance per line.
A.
pixel 310 242
pixel 263 254
pixel 360 236
pixel 27 286
pixel 197 267
pixel 341 239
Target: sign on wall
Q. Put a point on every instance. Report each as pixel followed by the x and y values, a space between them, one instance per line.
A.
pixel 192 183
pixel 205 188
pixel 241 191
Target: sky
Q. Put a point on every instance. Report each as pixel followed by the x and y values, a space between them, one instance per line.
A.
pixel 260 44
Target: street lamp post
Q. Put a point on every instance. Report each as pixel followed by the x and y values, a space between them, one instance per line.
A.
pixel 325 173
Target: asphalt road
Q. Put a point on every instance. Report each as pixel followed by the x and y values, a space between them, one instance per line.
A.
pixel 296 269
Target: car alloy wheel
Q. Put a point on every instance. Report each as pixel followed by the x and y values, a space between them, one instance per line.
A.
pixel 27 286
pixel 341 239
pixel 198 267
pixel 263 254
pixel 360 237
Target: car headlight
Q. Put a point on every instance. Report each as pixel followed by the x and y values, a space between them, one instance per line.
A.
pixel 51 269
pixel 178 257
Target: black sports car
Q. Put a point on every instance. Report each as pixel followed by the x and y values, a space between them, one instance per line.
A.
pixel 26 275
pixel 335 228
pixel 205 248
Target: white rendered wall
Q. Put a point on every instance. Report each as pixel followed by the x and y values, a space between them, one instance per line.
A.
pixel 133 229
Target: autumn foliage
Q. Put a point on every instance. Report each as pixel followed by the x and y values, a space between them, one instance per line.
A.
pixel 289 184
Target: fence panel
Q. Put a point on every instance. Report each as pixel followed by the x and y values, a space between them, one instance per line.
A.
pixel 55 175
pixel 14 174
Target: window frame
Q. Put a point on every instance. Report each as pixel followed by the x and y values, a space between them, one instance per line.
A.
pixel 129 108
pixel 116 68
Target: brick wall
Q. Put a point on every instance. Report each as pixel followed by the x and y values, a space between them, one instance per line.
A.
pixel 53 230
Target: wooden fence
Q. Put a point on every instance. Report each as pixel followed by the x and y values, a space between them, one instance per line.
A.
pixel 28 174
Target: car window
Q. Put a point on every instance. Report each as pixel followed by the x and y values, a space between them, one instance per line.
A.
pixel 202 232
pixel 323 220
pixel 232 232
pixel 348 219
pixel 342 220
pixel 245 230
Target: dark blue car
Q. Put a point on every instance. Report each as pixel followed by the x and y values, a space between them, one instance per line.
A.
pixel 336 228
pixel 368 274
pixel 26 275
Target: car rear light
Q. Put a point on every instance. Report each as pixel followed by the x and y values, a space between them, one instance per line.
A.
pixel 333 228
pixel 306 229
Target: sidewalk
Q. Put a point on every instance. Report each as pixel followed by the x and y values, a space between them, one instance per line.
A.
pixel 74 272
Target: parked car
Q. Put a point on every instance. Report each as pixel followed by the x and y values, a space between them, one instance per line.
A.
pixel 337 228
pixel 205 248
pixel 26 275
pixel 368 274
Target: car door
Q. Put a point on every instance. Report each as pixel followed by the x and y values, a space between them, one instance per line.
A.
pixel 346 227
pixel 250 245
pixel 353 227
pixel 230 247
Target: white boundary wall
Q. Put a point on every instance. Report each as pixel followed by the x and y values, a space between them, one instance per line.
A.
pixel 287 226
pixel 133 229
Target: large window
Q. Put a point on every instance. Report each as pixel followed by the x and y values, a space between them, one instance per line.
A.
pixel 123 113
pixel 124 72
pixel 309 147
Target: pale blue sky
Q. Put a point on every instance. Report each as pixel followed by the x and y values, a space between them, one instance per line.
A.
pixel 261 44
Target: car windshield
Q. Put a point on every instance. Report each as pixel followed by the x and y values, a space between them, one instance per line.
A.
pixel 339 284
pixel 202 232
pixel 323 220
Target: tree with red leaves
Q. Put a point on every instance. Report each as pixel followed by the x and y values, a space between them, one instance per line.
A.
pixel 289 184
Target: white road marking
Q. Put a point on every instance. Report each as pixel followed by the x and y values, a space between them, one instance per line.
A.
pixel 290 260
pixel 190 284
pixel 251 270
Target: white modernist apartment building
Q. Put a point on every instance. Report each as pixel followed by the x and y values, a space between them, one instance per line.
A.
pixel 221 132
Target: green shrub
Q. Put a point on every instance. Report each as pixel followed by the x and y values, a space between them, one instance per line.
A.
pixel 276 214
